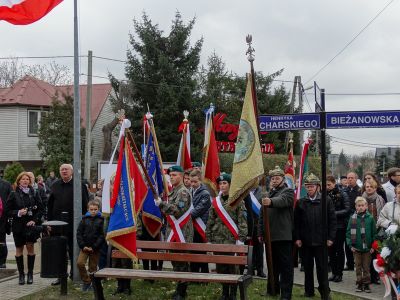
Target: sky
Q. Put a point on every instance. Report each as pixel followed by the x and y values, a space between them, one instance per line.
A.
pixel 298 36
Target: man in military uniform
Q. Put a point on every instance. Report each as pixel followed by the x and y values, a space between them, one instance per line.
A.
pixel 280 213
pixel 218 233
pixel 179 203
pixel 309 235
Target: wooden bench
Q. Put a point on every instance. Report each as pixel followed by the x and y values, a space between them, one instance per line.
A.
pixel 182 252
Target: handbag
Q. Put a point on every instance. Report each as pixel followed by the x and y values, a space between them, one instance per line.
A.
pixel 382 235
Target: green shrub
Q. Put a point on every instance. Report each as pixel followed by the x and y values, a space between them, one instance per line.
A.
pixel 11 171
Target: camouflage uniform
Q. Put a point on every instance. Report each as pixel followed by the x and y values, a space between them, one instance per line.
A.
pixel 179 201
pixel 218 233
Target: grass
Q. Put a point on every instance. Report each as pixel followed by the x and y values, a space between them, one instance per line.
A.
pixel 142 290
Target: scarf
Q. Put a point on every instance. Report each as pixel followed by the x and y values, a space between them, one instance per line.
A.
pixel 375 204
pixel 25 190
pixel 353 230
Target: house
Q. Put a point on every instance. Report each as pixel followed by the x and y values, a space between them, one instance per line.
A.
pixel 23 105
pixel 389 152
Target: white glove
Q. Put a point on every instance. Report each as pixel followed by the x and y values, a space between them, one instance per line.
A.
pixel 157 201
pixel 391 229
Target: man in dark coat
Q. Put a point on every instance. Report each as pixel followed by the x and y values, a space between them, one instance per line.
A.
pixel 309 235
pixel 280 202
pixel 342 209
pixel 201 205
pixel 5 191
pixel 62 200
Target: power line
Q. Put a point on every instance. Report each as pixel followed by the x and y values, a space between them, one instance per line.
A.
pixel 363 143
pixel 351 41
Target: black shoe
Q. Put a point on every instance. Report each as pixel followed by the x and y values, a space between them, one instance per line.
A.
pixel 307 295
pixel 302 269
pixel 20 266
pixel 29 278
pixel 261 274
pixel 56 282
pixel 366 288
pixel 332 278
pixel 338 278
pixel 359 288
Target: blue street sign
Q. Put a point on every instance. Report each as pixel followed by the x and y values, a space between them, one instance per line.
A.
pixel 289 122
pixel 363 119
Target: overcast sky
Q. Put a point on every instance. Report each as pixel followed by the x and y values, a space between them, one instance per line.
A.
pixel 298 36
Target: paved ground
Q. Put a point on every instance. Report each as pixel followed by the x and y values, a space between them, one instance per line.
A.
pixel 9 289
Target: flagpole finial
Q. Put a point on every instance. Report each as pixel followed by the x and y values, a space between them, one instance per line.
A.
pixel 185 114
pixel 290 138
pixel 149 116
pixel 250 50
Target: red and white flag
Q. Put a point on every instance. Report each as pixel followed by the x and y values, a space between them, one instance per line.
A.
pixel 183 159
pixel 24 12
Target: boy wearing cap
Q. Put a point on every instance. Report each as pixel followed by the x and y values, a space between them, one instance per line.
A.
pixel 309 234
pixel 280 213
pixel 177 210
pixel 218 232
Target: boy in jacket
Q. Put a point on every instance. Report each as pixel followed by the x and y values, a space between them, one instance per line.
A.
pixel 360 234
pixel 90 237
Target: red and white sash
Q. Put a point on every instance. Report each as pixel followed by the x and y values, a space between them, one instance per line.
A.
pixel 200 227
pixel 226 218
pixel 176 234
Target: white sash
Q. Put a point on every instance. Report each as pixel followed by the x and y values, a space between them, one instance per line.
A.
pixel 177 224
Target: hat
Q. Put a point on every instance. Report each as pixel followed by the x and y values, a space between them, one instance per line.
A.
pixel 277 172
pixel 175 169
pixel 224 177
pixel 196 164
pixel 311 179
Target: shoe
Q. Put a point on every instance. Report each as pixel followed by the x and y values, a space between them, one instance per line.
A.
pixel 366 288
pixel 3 266
pixel 332 278
pixel 56 282
pixel 31 264
pixel 302 269
pixel 20 266
pixel 338 278
pixel 359 288
pixel 261 274
pixel 307 295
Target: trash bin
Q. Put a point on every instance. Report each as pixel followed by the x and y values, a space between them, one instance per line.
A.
pixel 54 251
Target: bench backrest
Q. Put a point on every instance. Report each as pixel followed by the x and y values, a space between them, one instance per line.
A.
pixel 184 252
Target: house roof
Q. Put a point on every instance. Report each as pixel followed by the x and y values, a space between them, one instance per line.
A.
pixel 30 91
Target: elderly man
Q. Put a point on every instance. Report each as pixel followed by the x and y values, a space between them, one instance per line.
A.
pixel 309 234
pixel 177 210
pixel 5 191
pixel 62 200
pixel 394 180
pixel 280 201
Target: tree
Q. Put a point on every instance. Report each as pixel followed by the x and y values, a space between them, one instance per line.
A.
pixel 11 171
pixel 161 71
pixel 381 164
pixel 14 69
pixel 56 134
pixel 396 160
pixel 343 163
pixel 316 145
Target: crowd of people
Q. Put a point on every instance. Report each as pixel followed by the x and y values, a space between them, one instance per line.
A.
pixel 354 214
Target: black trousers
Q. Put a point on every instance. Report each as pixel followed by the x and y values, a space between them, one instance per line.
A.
pixel 258 255
pixel 336 252
pixel 283 268
pixel 3 248
pixel 349 257
pixel 198 267
pixel 311 253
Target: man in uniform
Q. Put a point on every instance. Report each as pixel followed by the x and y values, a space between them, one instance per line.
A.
pixel 217 231
pixel 280 213
pixel 177 210
pixel 309 235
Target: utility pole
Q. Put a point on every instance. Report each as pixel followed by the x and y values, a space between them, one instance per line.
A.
pixel 88 142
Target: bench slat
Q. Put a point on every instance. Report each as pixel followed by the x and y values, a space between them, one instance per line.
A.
pixel 166 275
pixel 192 247
pixel 187 257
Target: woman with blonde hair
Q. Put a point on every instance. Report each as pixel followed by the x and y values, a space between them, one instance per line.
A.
pixel 25 207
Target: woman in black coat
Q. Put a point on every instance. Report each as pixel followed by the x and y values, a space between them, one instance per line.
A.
pixel 25 207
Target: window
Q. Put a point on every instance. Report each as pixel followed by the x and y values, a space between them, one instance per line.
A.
pixel 34 117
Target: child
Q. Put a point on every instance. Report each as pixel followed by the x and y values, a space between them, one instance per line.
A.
pixel 360 234
pixel 90 237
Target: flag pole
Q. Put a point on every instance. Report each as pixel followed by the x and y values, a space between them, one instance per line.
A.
pixel 267 233
pixel 77 185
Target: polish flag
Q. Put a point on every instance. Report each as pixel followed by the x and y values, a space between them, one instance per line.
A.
pixel 23 12
pixel 183 159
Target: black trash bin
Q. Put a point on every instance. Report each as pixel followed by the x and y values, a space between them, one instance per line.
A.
pixel 54 251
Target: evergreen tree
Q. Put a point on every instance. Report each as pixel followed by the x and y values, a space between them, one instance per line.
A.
pixel 56 134
pixel 396 160
pixel 161 72
pixel 343 163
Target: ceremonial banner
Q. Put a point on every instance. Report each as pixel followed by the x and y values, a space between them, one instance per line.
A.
pixel 24 12
pixel 183 159
pixel 247 163
pixel 301 190
pixel 129 189
pixel 211 169
pixel 289 169
pixel 151 214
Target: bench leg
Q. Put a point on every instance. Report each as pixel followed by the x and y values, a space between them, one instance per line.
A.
pixel 97 287
pixel 243 283
pixel 242 289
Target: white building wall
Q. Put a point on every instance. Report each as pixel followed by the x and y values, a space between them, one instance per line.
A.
pixel 9 134
pixel 28 145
